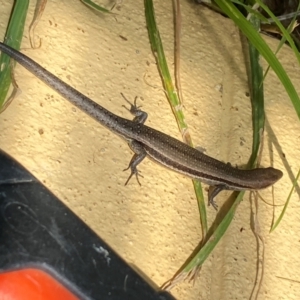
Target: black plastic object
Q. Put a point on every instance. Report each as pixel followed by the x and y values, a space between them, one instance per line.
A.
pixel 38 231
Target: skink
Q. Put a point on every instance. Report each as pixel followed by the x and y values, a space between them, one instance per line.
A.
pixel 146 141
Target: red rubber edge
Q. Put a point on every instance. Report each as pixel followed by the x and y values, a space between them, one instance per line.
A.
pixel 29 284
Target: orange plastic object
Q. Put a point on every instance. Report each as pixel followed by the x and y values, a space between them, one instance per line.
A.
pixel 32 284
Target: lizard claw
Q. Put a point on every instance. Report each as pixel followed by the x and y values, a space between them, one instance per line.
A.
pixel 133 172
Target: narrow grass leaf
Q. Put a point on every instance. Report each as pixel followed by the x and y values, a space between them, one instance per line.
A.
pixel 13 38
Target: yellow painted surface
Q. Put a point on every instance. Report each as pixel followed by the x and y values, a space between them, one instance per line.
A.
pixel 156 226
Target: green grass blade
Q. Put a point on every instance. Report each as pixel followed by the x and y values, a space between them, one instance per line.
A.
pixel 257 95
pixel 95 6
pixel 158 51
pixel 285 33
pixel 263 48
pixel 198 258
pixel 251 11
pixel 13 38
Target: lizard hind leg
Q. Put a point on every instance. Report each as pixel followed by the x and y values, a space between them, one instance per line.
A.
pixel 139 155
pixel 213 193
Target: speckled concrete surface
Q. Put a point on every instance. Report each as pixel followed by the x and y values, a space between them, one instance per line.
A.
pixel 156 226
